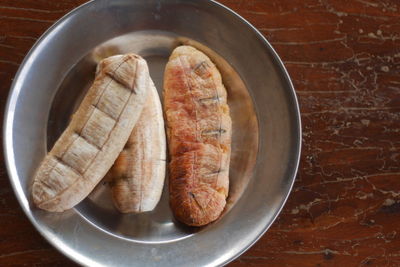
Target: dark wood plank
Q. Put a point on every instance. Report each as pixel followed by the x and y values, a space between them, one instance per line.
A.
pixel 344 59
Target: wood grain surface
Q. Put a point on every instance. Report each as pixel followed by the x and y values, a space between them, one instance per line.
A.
pixel 344 59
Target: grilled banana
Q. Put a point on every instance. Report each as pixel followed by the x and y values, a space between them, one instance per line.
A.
pixel 96 134
pixel 199 136
pixel 139 171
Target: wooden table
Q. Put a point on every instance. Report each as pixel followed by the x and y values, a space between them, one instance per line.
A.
pixel 344 59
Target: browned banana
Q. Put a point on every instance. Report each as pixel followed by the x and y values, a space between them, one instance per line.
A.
pixel 199 136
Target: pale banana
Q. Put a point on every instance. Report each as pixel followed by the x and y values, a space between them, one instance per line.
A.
pixel 96 134
pixel 138 173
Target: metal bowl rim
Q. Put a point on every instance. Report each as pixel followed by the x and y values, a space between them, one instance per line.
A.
pixel 13 95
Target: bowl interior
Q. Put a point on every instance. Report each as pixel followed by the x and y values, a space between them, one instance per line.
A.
pixel 158 225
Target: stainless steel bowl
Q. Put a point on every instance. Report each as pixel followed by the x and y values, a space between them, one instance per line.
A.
pixel 264 110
